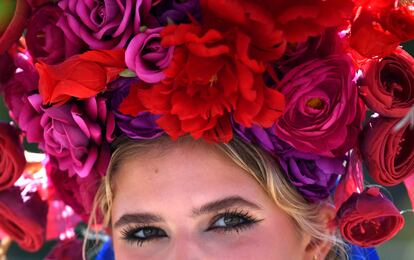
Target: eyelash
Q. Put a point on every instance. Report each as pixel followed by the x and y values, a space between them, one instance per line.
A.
pixel 128 233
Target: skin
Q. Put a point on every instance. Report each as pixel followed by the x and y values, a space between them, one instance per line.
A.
pixel 182 193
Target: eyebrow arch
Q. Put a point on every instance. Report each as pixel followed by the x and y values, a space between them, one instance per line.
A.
pixel 224 203
pixel 137 218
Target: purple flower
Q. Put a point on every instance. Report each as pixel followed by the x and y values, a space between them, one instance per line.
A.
pixel 104 24
pixel 76 135
pixel 314 176
pixel 323 114
pixel 46 41
pixel 142 126
pixel 146 57
pixel 176 11
pixel 16 96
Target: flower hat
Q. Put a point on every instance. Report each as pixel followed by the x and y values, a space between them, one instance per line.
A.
pixel 322 85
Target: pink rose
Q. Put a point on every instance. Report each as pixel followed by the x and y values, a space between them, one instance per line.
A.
pixel 323 114
pixel 146 57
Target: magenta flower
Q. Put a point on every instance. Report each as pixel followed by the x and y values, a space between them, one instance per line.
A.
pixel 16 96
pixel 76 135
pixel 104 24
pixel 46 41
pixel 146 57
pixel 323 114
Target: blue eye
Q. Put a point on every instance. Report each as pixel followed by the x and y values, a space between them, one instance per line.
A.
pixel 232 221
pixel 140 235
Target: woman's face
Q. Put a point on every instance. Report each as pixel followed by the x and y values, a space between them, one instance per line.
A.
pixel 194 203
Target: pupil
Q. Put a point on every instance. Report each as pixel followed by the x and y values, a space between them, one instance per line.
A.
pixel 233 221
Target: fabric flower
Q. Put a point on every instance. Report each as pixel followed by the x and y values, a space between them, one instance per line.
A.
pixel 7 69
pixel 75 191
pixel 368 219
pixel 76 134
pixel 314 176
pixel 205 83
pixel 388 154
pixel 146 57
pixel 12 159
pixel 16 96
pixel 400 22
pixel 104 24
pixel 388 84
pixel 23 220
pixel 322 105
pixel 67 249
pixel 81 76
pixel 144 125
pixel 13 19
pixel 321 46
pixel 176 11
pixel 46 42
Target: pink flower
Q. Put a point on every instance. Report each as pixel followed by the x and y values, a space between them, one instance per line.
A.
pixel 146 57
pixel 76 135
pixel 323 114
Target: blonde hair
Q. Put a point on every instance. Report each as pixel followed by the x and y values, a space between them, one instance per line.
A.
pixel 253 160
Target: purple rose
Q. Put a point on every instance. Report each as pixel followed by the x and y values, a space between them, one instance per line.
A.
pixel 104 24
pixel 140 127
pixel 323 114
pixel 167 11
pixel 76 135
pixel 146 57
pixel 67 249
pixel 314 176
pixel 46 41
pixel 16 96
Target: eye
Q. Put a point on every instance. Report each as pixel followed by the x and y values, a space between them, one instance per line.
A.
pixel 233 221
pixel 142 234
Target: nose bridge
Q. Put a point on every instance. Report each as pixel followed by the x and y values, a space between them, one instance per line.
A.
pixel 185 246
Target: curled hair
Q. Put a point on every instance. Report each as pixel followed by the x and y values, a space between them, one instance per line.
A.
pixel 254 161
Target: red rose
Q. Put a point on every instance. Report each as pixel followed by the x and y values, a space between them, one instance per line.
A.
pixel 388 155
pixel 13 19
pixel 81 76
pixel 368 219
pixel 369 38
pixel 23 221
pixel 12 159
pixel 388 84
pixel 210 77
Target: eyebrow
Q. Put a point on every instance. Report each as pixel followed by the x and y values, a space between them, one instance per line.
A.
pixel 214 206
pixel 225 203
pixel 138 218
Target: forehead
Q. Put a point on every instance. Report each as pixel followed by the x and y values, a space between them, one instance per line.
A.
pixel 185 175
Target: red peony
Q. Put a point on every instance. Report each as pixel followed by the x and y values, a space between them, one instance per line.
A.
pixel 81 76
pixel 400 22
pixel 368 219
pixel 210 78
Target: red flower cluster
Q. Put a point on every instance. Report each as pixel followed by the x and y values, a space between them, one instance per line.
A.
pixel 379 27
pixel 213 74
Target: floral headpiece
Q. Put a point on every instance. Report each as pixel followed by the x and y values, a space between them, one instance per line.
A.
pixel 296 78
